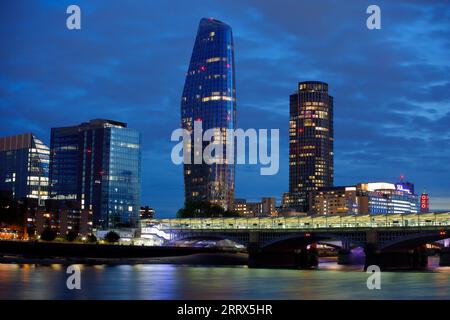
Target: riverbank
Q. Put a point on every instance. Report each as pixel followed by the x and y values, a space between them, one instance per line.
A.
pixel 203 259
pixel 23 252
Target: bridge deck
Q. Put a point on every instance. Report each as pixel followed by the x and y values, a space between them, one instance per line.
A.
pixel 308 222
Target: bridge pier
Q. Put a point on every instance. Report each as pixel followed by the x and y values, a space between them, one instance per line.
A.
pixel 347 257
pixel 444 257
pixel 416 259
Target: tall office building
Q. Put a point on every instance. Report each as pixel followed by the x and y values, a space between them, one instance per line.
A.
pixel 209 96
pixel 97 164
pixel 24 166
pixel 310 142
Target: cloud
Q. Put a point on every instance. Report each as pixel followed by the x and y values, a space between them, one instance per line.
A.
pixel 391 86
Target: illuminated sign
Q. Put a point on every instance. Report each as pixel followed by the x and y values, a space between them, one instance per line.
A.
pixel 401 187
pixel 424 202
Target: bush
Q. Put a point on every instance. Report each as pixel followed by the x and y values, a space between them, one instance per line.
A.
pixel 48 234
pixel 71 236
pixel 91 238
pixel 112 237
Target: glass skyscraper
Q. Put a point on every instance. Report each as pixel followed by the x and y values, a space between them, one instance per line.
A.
pixel 98 164
pixel 310 142
pixel 24 166
pixel 209 96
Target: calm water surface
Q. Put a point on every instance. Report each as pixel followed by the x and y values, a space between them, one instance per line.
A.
pixel 191 282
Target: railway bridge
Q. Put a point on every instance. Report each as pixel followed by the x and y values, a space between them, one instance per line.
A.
pixel 389 241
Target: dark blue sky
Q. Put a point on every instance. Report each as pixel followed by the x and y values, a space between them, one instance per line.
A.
pixel 391 87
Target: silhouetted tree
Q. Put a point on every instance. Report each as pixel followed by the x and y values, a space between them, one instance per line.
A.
pixel 71 236
pixel 204 209
pixel 112 237
pixel 91 238
pixel 48 234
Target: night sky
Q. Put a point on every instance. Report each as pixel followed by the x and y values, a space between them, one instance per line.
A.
pixel 391 87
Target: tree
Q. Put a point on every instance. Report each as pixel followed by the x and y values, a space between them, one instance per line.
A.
pixel 48 234
pixel 12 212
pixel 112 237
pixel 204 209
pixel 91 238
pixel 71 236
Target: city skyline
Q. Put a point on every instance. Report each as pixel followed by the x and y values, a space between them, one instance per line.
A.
pixel 407 93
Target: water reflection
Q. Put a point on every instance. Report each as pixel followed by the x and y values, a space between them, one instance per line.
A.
pixel 185 282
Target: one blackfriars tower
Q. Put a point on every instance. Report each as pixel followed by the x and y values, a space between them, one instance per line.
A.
pixel 310 142
pixel 209 96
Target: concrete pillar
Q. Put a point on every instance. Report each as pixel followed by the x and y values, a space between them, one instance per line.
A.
pixel 253 237
pixel 444 257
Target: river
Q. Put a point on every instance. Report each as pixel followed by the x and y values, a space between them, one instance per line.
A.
pixel 163 281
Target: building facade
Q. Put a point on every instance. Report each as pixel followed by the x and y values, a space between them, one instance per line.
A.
pixel 265 208
pixel 240 206
pixel 334 200
pixel 268 206
pixel 209 97
pixel 364 198
pixel 64 216
pixel 98 165
pixel 310 142
pixel 24 167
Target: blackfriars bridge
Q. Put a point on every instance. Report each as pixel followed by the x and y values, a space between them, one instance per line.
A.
pixel 389 241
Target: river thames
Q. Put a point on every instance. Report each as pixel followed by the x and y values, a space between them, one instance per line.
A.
pixel 162 281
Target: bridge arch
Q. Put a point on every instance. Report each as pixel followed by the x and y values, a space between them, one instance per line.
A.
pixel 238 239
pixel 415 240
pixel 306 239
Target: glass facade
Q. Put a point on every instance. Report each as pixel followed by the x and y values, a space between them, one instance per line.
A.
pixel 98 164
pixel 65 163
pixel 391 202
pixel 120 203
pixel 209 96
pixel 310 142
pixel 24 167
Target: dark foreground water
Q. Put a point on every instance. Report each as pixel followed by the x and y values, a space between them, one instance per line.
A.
pixel 192 282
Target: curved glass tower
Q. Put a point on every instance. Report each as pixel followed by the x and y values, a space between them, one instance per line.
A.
pixel 209 96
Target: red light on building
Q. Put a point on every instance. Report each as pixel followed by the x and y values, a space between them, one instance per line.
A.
pixel 300 130
pixel 228 66
pixel 202 68
pixel 307 234
pixel 442 233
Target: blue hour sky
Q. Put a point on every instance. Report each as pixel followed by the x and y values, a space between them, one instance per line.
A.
pixel 391 87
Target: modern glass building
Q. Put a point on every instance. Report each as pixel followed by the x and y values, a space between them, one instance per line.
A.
pixel 98 164
pixel 388 198
pixel 310 142
pixel 364 198
pixel 24 167
pixel 209 96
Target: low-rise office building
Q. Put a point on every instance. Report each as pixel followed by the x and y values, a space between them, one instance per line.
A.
pixel 364 198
